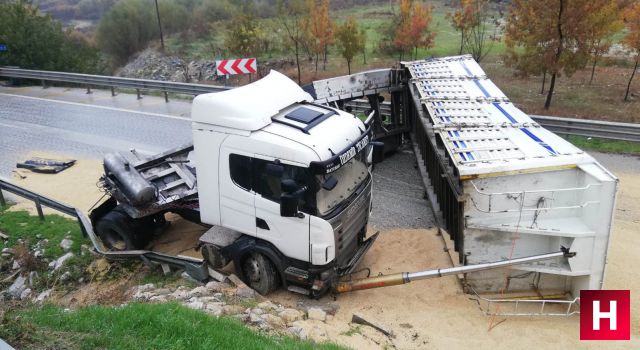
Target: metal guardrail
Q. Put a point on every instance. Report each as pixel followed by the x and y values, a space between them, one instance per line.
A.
pixel 568 126
pixel 112 82
pixel 590 128
pixel 196 268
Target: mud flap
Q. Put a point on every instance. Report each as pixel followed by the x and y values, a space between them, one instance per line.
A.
pixel 357 257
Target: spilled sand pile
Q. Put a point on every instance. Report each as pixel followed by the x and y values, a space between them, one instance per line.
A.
pixel 75 186
pixel 423 314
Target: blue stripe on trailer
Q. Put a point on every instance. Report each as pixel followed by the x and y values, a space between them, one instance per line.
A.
pixel 505 113
pixel 463 144
pixel 450 133
pixel 484 91
pixel 463 157
pixel 540 142
pixel 456 133
pixel 455 143
pixel 464 65
pixel 470 156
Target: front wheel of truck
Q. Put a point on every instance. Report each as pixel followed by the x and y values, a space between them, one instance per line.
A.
pixel 259 273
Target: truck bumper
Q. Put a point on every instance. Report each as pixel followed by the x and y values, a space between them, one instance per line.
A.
pixel 327 279
pixel 357 257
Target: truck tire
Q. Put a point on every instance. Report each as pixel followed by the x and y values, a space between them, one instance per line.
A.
pixel 259 273
pixel 116 231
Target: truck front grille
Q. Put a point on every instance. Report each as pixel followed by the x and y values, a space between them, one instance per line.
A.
pixel 349 223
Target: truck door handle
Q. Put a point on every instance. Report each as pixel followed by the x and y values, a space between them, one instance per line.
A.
pixel 260 223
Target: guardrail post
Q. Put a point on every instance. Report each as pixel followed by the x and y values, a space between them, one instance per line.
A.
pixel 166 97
pixel 88 89
pixel 113 91
pixel 44 84
pixel 3 203
pixel 39 208
pixel 138 92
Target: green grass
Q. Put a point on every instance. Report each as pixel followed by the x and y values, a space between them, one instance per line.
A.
pixel 138 326
pixel 54 228
pixel 370 17
pixel 33 232
pixel 604 145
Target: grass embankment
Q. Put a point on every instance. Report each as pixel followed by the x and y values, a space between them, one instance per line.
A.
pixel 135 326
pixel 35 243
pixel 20 225
pixel 142 326
pixel 604 145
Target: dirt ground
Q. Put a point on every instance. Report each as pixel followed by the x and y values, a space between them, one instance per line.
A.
pixel 423 314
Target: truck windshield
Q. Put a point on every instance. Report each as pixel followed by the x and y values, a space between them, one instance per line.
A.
pixel 349 177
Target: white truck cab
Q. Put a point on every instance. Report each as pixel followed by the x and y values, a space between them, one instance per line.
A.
pixel 284 183
pixel 295 175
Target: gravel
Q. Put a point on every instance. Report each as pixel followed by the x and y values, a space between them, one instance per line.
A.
pixel 398 194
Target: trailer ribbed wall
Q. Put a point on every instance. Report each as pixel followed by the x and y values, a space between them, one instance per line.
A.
pixel 505 186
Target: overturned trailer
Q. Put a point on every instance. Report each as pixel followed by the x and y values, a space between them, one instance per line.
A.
pixel 505 186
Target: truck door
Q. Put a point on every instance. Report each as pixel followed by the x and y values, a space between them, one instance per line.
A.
pixel 237 200
pixel 289 235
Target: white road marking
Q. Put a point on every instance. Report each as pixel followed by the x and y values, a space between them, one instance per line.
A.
pixel 80 137
pixel 97 106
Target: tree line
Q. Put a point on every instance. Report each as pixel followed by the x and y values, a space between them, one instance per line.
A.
pixel 37 41
pixel 309 30
pixel 546 38
pixel 558 37
pixel 543 37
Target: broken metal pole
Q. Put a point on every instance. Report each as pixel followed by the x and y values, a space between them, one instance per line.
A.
pixel 406 277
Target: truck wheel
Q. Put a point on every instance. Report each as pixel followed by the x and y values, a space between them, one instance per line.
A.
pixel 259 273
pixel 115 230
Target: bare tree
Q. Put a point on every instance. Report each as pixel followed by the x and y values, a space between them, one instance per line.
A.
pixel 291 17
pixel 479 41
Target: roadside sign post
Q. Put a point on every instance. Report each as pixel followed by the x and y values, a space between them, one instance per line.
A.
pixel 236 66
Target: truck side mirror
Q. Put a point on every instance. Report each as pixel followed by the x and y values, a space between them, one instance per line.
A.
pixel 378 152
pixel 289 186
pixel 288 205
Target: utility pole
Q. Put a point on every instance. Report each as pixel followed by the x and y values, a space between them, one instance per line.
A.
pixel 159 25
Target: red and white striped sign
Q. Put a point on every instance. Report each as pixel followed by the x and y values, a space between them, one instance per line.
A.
pixel 237 66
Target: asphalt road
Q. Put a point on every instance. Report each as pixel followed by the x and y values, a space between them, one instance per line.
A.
pixel 30 124
pixel 70 122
